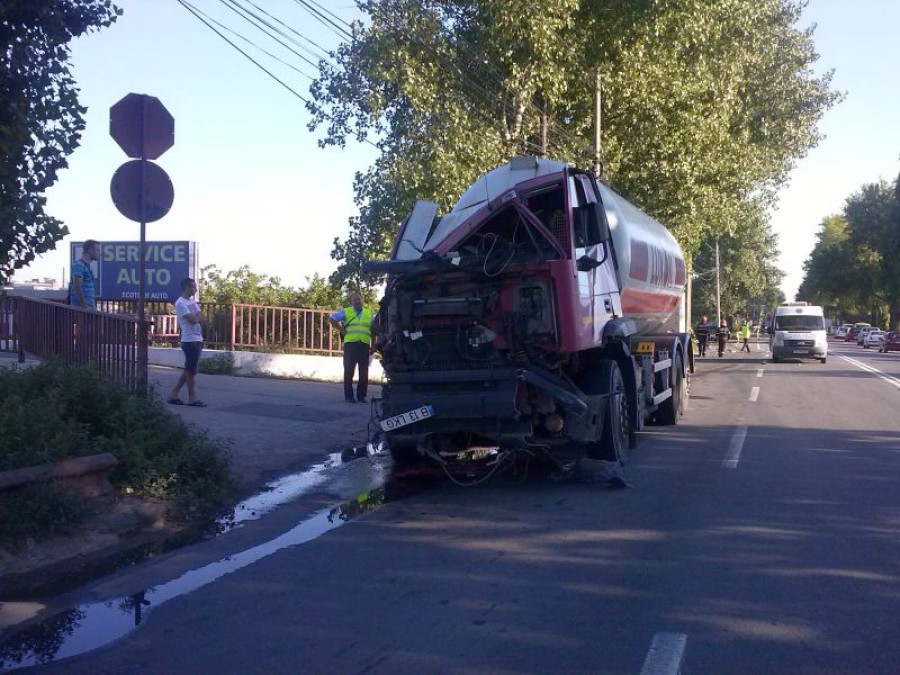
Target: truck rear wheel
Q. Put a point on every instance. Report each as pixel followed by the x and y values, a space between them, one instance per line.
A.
pixel 613 443
pixel 404 456
pixel 673 407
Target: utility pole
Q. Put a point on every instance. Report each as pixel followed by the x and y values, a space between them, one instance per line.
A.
pixel 718 289
pixel 598 164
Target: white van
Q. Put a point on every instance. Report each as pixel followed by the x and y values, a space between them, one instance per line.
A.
pixel 798 332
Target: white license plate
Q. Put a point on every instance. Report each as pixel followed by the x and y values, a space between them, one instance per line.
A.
pixel 801 351
pixel 409 417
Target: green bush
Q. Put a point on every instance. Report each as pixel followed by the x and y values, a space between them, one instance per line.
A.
pixel 38 511
pixel 220 364
pixel 51 412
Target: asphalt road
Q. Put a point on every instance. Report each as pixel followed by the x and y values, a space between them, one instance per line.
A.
pixel 761 535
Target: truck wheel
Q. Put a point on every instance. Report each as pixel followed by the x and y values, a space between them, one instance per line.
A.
pixel 404 456
pixel 673 407
pixel 613 444
pixel 823 359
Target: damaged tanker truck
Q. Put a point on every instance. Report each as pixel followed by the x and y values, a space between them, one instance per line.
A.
pixel 543 312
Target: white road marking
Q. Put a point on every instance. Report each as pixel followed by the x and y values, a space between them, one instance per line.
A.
pixel 759 373
pixel 734 450
pixel 890 379
pixel 754 393
pixel 666 654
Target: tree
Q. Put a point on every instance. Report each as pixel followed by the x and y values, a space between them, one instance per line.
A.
pixel 873 218
pixel 247 287
pixel 748 276
pixel 831 278
pixel 853 264
pixel 706 105
pixel 40 118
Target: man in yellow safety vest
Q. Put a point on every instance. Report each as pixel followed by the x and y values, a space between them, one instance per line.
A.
pixel 745 336
pixel 354 323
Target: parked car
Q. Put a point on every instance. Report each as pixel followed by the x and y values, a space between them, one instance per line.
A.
pixel 841 332
pixel 852 334
pixel 873 338
pixel 890 342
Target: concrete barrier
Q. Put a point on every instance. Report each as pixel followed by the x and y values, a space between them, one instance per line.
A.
pixel 259 364
pixel 89 475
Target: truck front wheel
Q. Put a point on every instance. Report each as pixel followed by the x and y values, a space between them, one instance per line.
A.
pixel 613 443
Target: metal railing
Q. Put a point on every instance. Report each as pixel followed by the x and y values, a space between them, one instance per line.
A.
pixel 81 337
pixel 234 326
pixel 288 329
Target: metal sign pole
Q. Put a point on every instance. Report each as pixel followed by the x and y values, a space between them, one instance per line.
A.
pixel 143 357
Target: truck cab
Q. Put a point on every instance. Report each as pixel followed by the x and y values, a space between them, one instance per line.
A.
pixel 539 314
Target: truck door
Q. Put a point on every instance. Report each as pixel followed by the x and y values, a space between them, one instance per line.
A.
pixel 596 276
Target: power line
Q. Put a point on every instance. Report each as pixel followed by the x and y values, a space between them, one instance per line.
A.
pixel 324 20
pixel 324 51
pixel 243 12
pixel 253 44
pixel 199 15
pixel 195 12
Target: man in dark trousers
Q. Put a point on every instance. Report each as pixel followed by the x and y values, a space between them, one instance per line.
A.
pixel 354 323
pixel 722 336
pixel 702 332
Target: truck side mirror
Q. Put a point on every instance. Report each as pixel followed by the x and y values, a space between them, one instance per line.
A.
pixel 591 226
pixel 770 330
pixel 586 263
pixel 603 234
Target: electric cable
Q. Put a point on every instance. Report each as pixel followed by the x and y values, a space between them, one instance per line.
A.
pixel 295 32
pixel 191 9
pixel 324 20
pixel 238 9
pixel 253 44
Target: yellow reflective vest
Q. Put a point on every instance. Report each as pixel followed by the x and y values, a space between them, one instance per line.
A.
pixel 357 327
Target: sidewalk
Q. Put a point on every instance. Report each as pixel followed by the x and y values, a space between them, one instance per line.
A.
pixel 274 427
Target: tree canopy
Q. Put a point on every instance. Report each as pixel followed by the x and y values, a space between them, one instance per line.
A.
pixel 749 279
pixel 853 265
pixel 41 119
pixel 706 105
pixel 245 286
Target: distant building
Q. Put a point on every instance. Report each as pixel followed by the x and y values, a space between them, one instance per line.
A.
pixel 45 284
pixel 45 289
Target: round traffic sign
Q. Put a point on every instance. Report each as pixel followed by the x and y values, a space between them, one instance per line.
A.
pixel 135 186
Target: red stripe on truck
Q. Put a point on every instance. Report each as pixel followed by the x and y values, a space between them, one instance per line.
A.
pixel 645 302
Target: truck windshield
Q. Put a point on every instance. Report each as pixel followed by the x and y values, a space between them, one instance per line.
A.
pixel 799 322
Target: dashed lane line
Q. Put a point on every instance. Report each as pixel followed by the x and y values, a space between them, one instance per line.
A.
pixel 666 654
pixel 734 450
pixel 759 373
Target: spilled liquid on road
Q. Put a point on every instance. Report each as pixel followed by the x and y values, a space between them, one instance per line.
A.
pixel 87 627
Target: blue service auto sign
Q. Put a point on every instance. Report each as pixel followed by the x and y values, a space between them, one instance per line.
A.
pixel 166 263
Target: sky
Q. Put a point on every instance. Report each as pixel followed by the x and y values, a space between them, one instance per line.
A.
pixel 252 187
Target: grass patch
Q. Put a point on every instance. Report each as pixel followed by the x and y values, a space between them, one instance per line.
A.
pixel 220 364
pixel 51 412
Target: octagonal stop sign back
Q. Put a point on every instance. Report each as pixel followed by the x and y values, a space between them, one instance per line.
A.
pixel 142 126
